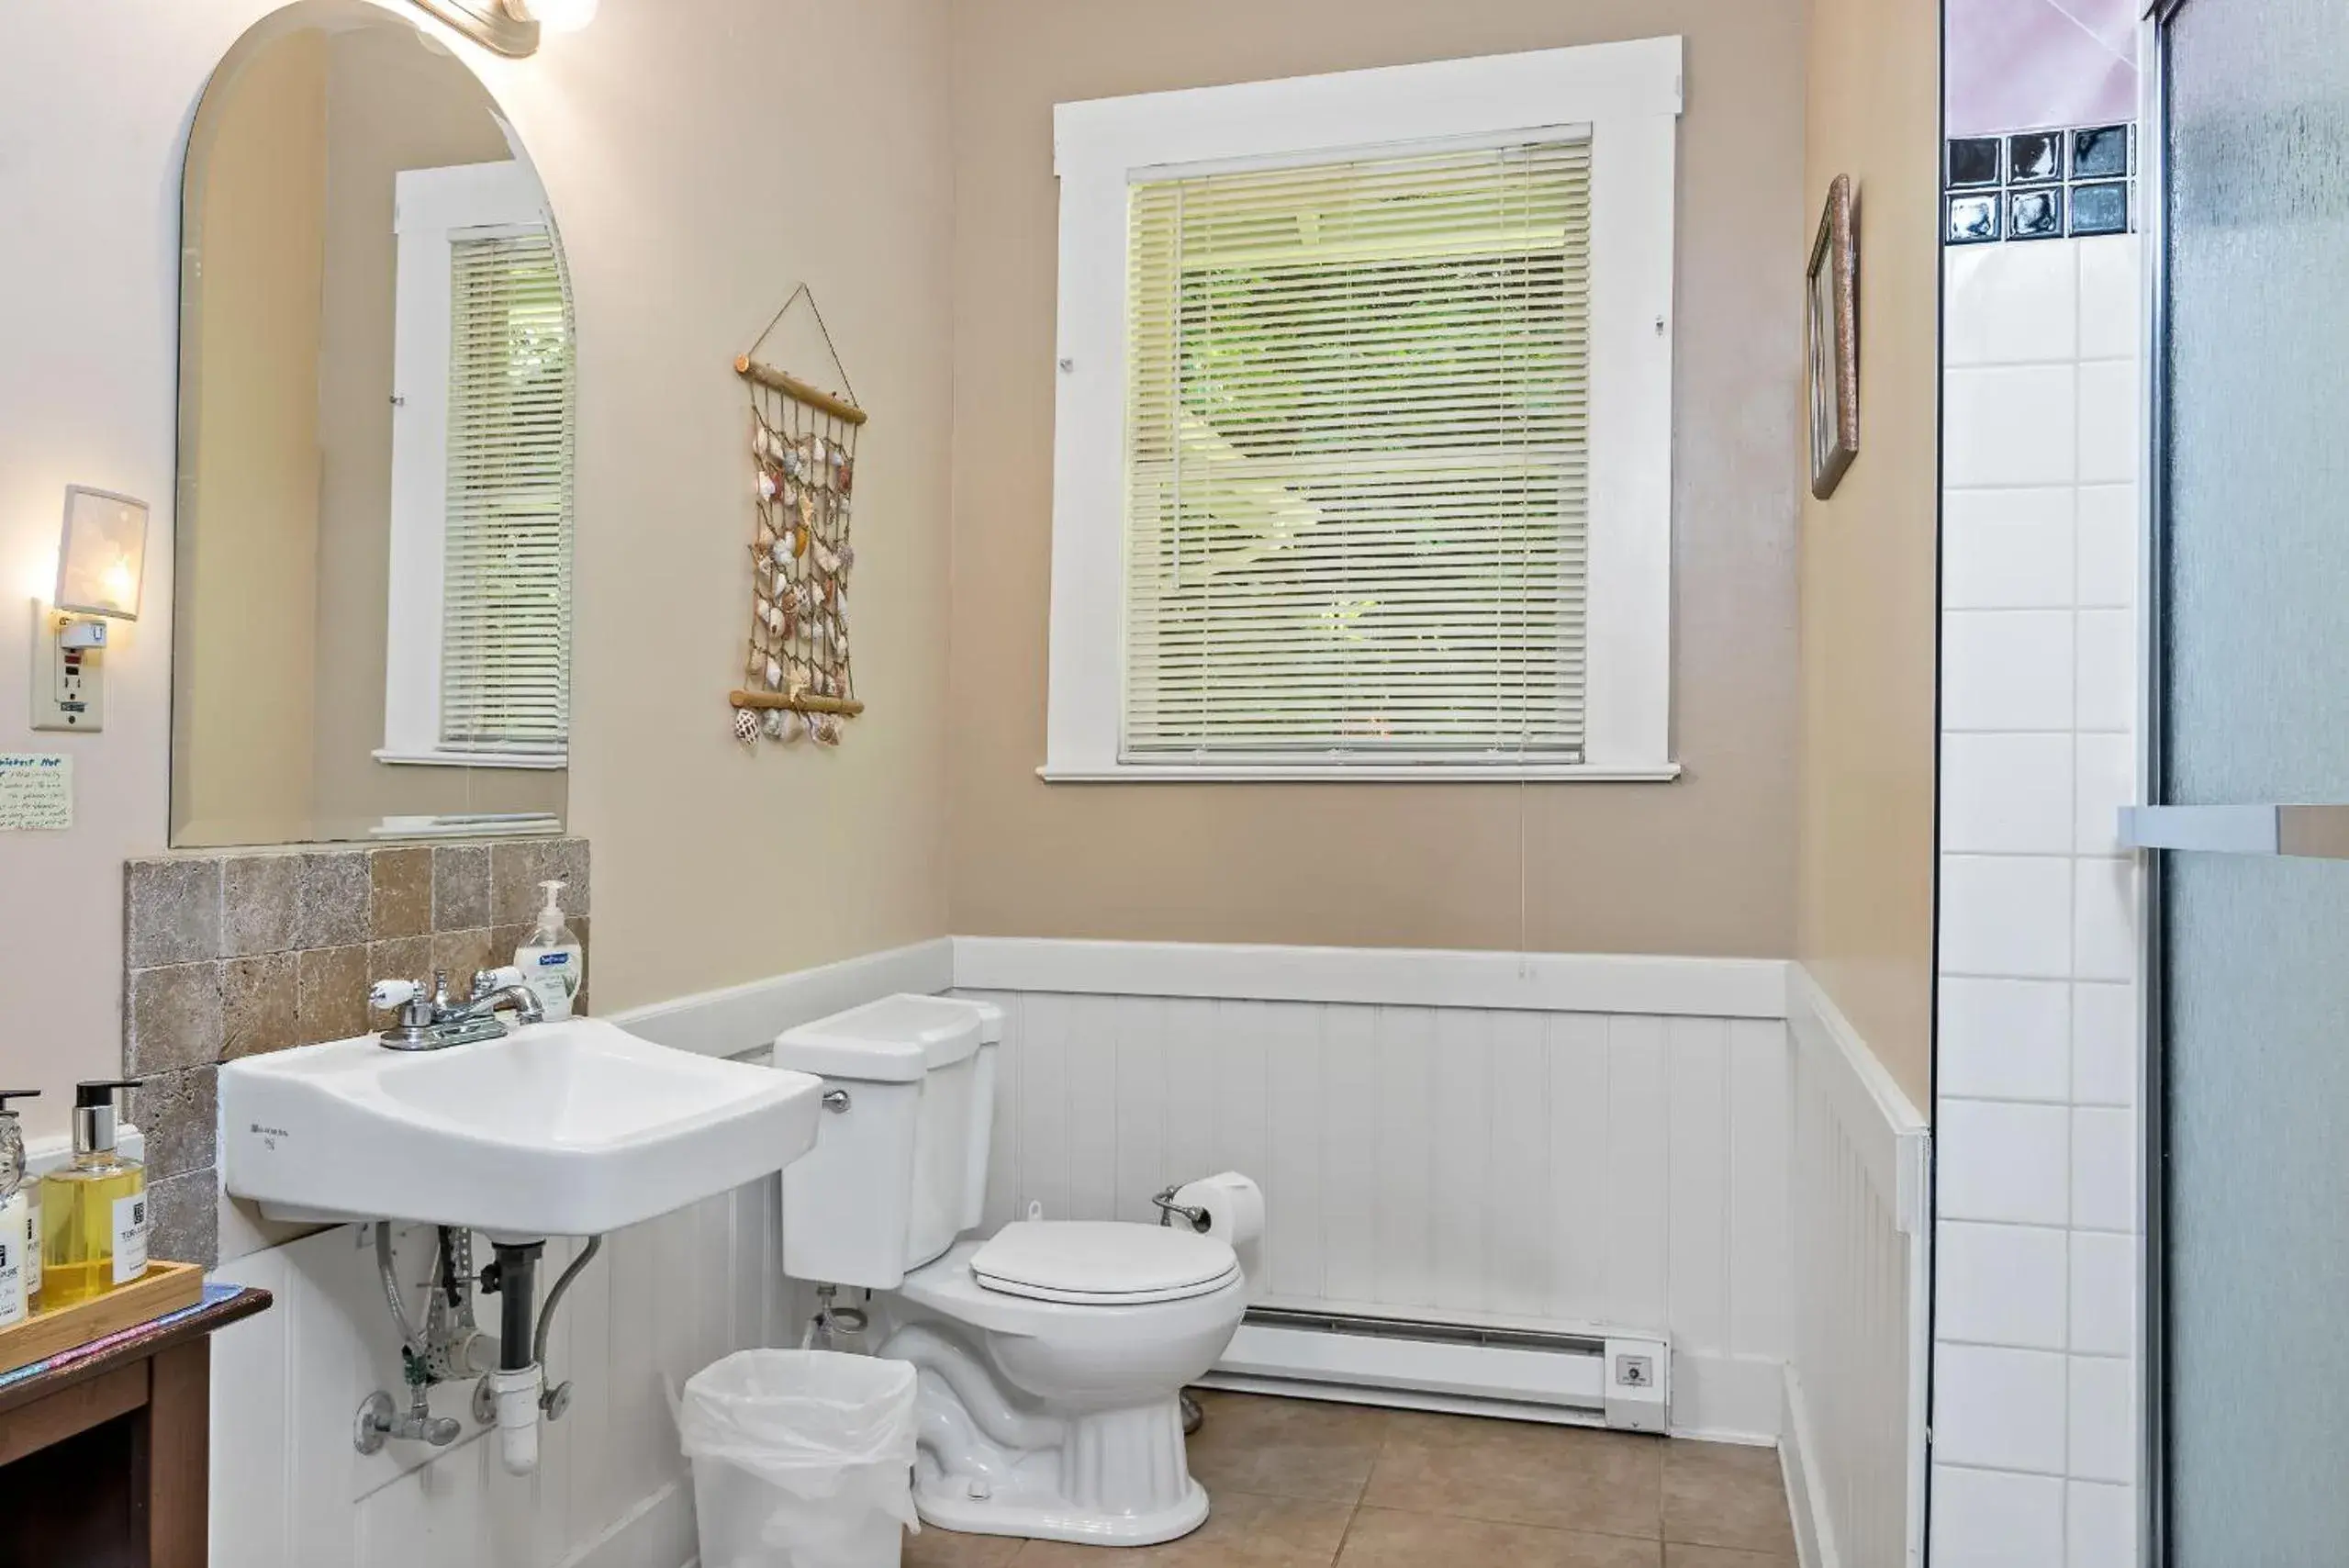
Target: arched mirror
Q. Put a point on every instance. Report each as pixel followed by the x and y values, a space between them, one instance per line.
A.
pixel 373 594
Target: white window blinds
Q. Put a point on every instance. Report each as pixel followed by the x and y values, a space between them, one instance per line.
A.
pixel 506 603
pixel 1356 460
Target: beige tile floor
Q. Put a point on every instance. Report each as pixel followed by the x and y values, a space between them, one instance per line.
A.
pixel 1297 1484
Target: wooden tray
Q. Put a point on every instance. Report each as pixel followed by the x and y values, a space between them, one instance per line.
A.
pixel 164 1289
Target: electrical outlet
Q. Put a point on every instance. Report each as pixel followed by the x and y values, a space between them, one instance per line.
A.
pixel 68 671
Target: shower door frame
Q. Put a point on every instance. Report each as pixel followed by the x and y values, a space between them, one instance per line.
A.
pixel 2153 204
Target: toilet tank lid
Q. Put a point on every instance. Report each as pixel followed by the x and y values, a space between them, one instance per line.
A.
pixel 894 1040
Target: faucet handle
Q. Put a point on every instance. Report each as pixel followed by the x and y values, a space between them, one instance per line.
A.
pixel 386 995
pixel 487 980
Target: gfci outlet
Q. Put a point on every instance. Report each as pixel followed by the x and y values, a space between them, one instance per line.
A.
pixel 68 671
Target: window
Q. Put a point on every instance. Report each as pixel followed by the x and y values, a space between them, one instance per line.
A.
pixel 1363 454
pixel 477 669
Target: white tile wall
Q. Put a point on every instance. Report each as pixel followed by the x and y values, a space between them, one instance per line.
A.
pixel 1989 1518
pixel 2106 517
pixel 2011 425
pixel 1999 1408
pixel 2006 915
pixel 2037 1070
pixel 2008 549
pixel 2013 304
pixel 2007 795
pixel 2103 1045
pixel 2102 1525
pixel 2005 1039
pixel 2103 1444
pixel 2009 1285
pixel 2006 670
pixel 2104 1293
pixel 2002 1161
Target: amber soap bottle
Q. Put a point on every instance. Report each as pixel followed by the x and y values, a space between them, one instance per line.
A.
pixel 94 1212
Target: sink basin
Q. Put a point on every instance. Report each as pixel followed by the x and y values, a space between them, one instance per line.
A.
pixel 571 1128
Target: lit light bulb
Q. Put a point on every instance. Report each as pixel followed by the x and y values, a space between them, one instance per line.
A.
pixel 555 15
pixel 119 582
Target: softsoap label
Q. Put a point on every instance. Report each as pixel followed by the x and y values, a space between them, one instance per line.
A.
pixel 130 1238
pixel 32 1243
pixel 35 792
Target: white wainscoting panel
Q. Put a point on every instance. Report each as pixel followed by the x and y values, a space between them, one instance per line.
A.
pixel 662 1300
pixel 1854 1438
pixel 1550 1169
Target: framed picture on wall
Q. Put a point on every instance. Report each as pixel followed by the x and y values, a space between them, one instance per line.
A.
pixel 1834 315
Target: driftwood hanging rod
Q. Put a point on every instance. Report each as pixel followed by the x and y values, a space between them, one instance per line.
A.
pixel 806 702
pixel 789 386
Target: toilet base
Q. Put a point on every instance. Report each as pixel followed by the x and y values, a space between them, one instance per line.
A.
pixel 1023 1516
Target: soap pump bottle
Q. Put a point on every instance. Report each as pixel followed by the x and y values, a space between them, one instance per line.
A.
pixel 19 1217
pixel 94 1212
pixel 551 961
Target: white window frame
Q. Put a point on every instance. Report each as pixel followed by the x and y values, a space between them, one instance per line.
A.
pixel 434 208
pixel 1627 98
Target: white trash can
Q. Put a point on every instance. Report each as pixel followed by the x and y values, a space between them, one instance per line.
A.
pixel 801 1459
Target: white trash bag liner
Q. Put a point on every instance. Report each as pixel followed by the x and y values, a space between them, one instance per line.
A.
pixel 801 1459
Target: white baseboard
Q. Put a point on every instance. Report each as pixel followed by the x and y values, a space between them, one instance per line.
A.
pixel 1813 1522
pixel 744 1018
pixel 1544 983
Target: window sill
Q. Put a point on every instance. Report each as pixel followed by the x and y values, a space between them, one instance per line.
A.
pixel 1365 773
pixel 430 759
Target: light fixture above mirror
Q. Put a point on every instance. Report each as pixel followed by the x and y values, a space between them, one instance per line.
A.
pixel 512 27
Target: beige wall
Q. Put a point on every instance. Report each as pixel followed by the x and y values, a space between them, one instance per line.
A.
pixel 695 180
pixel 391 105
pixel 1703 866
pixel 702 161
pixel 245 726
pixel 1869 553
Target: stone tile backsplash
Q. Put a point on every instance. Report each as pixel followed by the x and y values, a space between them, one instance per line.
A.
pixel 237 954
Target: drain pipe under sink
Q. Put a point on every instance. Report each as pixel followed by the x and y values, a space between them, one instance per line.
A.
pixel 514 1386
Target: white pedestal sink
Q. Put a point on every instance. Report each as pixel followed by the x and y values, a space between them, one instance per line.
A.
pixel 566 1128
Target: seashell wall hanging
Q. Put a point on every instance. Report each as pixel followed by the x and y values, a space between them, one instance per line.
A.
pixel 796 679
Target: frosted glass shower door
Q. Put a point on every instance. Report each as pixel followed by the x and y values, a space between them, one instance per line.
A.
pixel 2246 207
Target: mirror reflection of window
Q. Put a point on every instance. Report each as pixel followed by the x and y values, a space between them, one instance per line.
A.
pixel 477 666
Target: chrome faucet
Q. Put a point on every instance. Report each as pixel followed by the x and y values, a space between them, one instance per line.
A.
pixel 435 1020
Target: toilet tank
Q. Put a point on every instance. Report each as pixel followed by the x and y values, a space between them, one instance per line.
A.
pixel 900 1169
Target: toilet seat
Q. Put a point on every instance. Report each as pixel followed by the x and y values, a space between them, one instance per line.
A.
pixel 1102 1263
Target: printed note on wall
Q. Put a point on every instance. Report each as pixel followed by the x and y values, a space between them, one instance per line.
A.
pixel 35 792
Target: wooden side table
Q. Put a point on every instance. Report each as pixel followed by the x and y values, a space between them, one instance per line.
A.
pixel 105 1456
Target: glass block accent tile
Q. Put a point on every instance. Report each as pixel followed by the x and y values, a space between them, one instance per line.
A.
pixel 2040 184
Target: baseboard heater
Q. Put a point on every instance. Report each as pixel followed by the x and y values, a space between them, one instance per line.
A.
pixel 1596 1379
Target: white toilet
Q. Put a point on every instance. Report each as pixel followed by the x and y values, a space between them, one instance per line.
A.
pixel 1051 1355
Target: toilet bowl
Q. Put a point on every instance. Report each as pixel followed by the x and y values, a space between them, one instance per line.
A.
pixel 1050 1401
pixel 1051 1355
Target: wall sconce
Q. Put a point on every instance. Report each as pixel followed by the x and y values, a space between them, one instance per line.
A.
pixel 512 27
pixel 102 556
pixel 101 565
